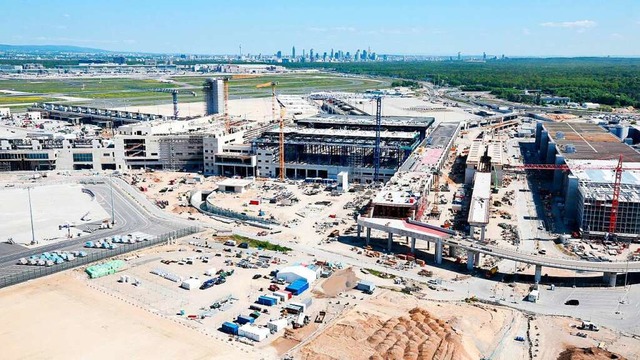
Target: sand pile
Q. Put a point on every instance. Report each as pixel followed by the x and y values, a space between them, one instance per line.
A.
pixel 338 282
pixel 592 353
pixel 416 336
pixel 419 336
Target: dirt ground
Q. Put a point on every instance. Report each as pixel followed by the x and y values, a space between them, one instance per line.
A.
pixel 591 353
pixel 75 321
pixel 340 281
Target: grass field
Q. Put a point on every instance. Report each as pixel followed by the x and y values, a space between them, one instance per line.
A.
pixel 116 92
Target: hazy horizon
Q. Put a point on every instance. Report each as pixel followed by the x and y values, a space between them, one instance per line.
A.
pixel 545 28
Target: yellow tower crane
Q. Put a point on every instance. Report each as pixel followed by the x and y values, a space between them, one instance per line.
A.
pixel 274 101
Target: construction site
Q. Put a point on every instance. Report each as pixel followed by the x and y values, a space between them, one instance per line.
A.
pixel 333 226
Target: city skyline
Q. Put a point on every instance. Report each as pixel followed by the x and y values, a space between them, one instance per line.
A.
pixel 544 28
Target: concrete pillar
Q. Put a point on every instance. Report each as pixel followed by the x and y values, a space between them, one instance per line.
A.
pixel 439 251
pixel 368 235
pixel 611 278
pixel 413 245
pixel 452 251
pixel 482 230
pixel 359 230
pixel 389 241
pixel 407 240
pixel 538 275
pixel 470 259
pixel 428 245
pixel 476 259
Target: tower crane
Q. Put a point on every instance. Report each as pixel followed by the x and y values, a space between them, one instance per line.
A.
pixel 274 101
pixel 174 94
pixel 618 169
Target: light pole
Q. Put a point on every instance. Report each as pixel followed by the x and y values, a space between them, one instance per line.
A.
pixel 33 234
pixel 113 216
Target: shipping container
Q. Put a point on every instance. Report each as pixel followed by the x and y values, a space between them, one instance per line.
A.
pixel 277 325
pixel 242 319
pixel 253 332
pixel 298 287
pixel 268 301
pixel 230 328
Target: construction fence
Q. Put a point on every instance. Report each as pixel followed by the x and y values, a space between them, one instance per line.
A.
pixel 33 272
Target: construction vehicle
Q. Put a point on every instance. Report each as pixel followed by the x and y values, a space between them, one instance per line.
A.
pixel 492 272
pixel 174 93
pixel 274 101
pixel 588 325
pixel 613 217
pixel 320 318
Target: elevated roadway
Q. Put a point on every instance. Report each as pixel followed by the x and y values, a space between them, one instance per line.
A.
pixel 439 236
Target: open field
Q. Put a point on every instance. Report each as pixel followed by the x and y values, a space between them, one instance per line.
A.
pixel 121 92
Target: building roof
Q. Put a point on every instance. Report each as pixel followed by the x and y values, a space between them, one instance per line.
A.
pixel 235 182
pixel 590 142
pixel 479 210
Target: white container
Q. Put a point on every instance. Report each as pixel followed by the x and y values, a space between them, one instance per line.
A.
pixel 190 284
pixel 210 272
pixel 277 325
pixel 253 332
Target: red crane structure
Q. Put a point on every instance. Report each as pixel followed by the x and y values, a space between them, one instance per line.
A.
pixel 613 218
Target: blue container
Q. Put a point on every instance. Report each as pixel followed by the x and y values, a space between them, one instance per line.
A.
pixel 298 287
pixel 268 301
pixel 230 328
pixel 242 319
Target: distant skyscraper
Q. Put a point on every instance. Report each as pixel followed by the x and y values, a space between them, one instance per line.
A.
pixel 293 52
pixel 279 54
pixel 311 54
pixel 484 56
pixel 332 53
pixel 459 56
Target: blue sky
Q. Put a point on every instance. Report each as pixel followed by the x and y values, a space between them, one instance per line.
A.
pixel 429 27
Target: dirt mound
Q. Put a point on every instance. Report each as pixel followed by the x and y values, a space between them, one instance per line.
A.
pixel 416 336
pixel 420 336
pixel 591 353
pixel 340 281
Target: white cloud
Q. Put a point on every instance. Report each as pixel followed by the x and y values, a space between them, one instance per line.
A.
pixel 526 32
pixel 579 24
pixel 317 29
pixel 66 15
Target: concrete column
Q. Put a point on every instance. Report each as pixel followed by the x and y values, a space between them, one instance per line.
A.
pixel 452 251
pixel 359 230
pixel 439 251
pixel 482 230
pixel 389 241
pixel 413 245
pixel 470 259
pixel 428 245
pixel 407 240
pixel 611 277
pixel 538 275
pixel 368 235
pixel 476 259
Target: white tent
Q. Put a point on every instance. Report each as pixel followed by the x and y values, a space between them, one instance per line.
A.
pixel 293 273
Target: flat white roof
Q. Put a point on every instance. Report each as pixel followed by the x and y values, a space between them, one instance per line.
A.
pixel 235 182
pixel 479 210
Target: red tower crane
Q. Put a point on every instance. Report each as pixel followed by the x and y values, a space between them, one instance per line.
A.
pixel 613 218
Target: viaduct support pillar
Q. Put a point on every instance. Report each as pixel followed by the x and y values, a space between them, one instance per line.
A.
pixel 482 230
pixel 413 245
pixel 389 242
pixel 476 259
pixel 368 236
pixel 611 278
pixel 538 275
pixel 359 229
pixel 438 251
pixel 470 259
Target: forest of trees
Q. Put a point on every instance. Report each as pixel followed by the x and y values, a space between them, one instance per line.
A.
pixel 609 81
